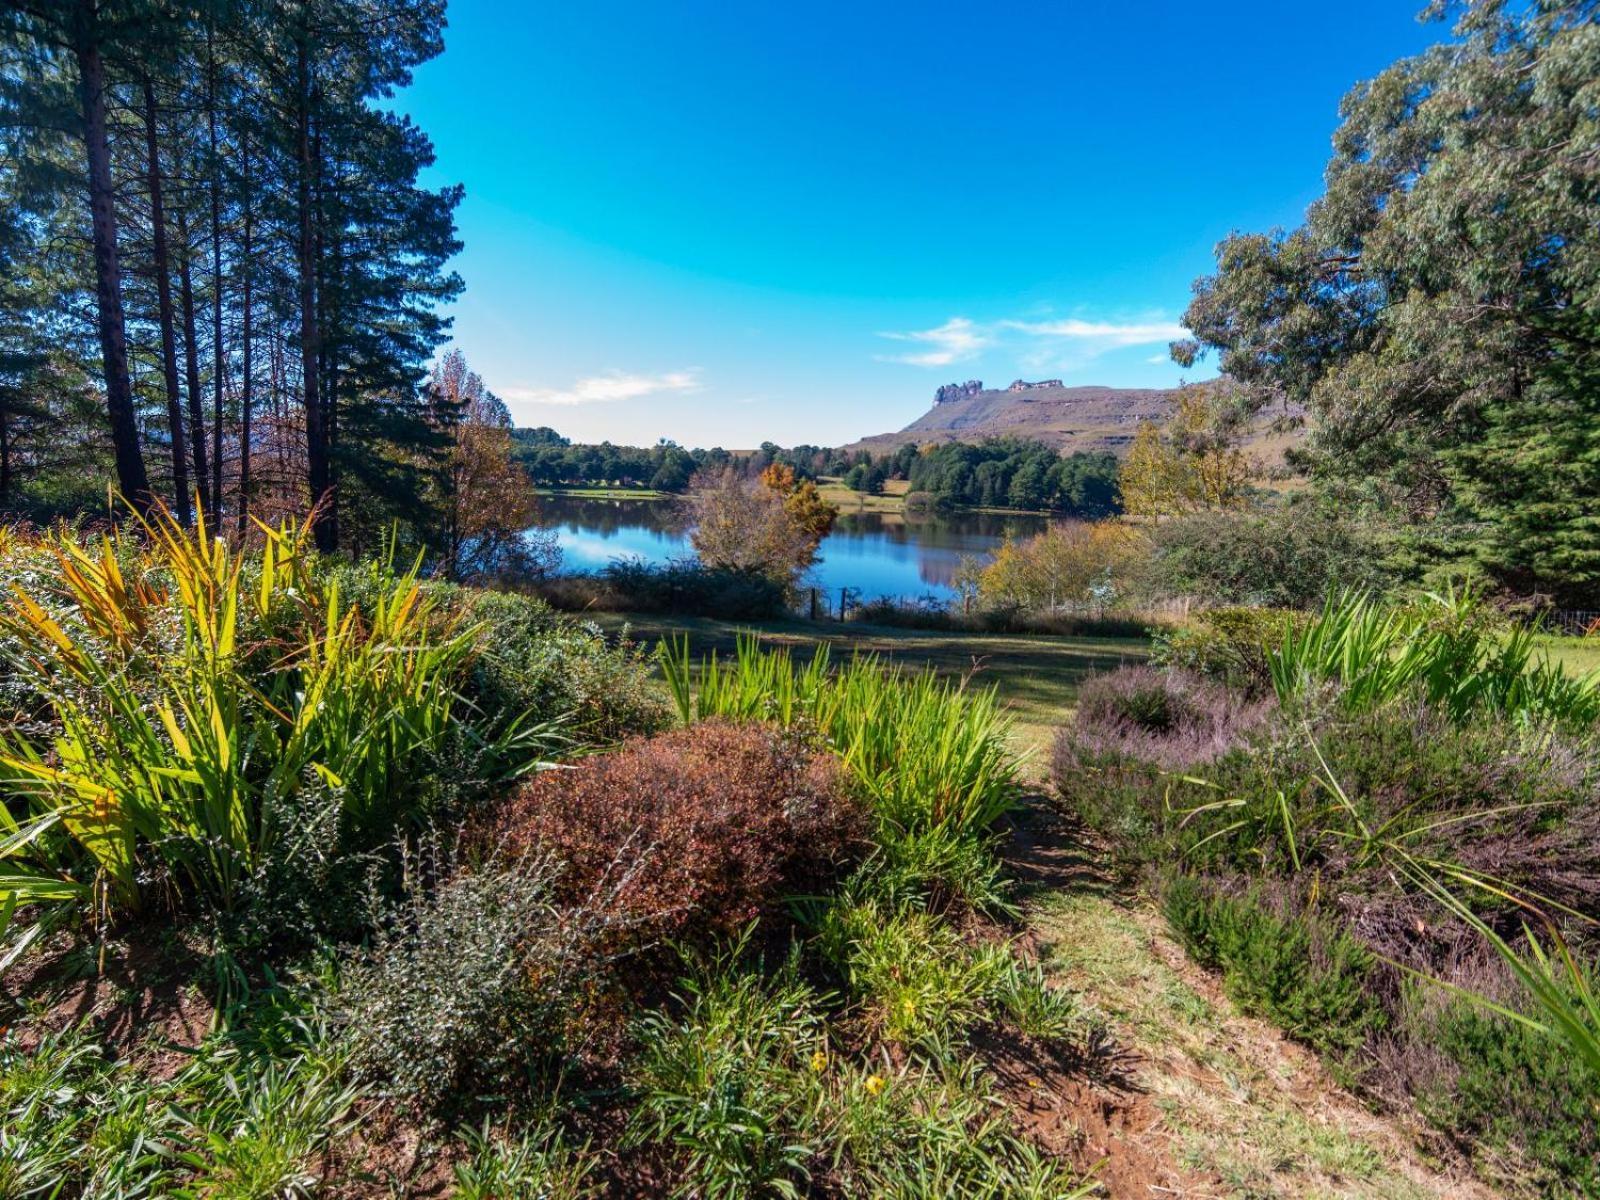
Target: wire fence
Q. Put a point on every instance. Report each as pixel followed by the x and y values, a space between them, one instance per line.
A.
pixel 1575 622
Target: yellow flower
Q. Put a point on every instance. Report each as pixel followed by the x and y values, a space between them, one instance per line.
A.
pixel 819 1062
pixel 874 1084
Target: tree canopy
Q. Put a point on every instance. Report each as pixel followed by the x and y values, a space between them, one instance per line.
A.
pixel 1439 310
pixel 214 231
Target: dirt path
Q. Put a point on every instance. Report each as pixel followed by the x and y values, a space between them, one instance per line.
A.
pixel 1199 1100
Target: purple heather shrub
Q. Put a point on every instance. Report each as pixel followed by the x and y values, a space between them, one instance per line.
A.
pixel 1168 719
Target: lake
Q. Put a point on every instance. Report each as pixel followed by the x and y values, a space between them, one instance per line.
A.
pixel 878 554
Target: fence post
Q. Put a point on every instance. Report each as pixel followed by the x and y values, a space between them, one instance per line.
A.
pixel 844 598
pixel 813 603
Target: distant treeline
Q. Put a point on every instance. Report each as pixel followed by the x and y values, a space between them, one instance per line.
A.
pixel 998 473
pixel 1013 473
pixel 555 461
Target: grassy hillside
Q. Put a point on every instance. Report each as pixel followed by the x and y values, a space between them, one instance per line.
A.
pixel 1069 418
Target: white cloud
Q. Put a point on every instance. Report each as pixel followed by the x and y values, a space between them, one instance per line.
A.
pixel 1103 333
pixel 603 389
pixel 1062 344
pixel 1159 359
pixel 957 340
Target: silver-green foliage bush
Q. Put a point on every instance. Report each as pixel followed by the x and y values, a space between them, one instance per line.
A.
pixel 463 990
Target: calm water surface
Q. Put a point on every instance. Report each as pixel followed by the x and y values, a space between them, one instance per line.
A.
pixel 879 554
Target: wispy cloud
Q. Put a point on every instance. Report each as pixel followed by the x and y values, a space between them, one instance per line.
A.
pixel 957 340
pixel 604 389
pixel 1159 359
pixel 1039 344
pixel 1102 333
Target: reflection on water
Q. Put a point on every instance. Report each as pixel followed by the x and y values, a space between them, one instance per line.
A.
pixel 880 554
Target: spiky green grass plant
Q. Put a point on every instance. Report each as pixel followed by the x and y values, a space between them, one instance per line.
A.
pixel 532 1162
pixel 191 690
pixel 1446 647
pixel 929 756
pixel 752 1097
pixel 248 1118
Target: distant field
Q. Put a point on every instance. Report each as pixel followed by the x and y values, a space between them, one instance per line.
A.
pixel 1036 676
pixel 603 493
pixel 893 499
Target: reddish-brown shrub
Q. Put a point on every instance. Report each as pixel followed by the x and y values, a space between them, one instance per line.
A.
pixel 699 829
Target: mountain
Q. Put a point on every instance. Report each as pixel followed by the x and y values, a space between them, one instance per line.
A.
pixel 1068 418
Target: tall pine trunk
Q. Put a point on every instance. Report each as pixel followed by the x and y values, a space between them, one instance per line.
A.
pixel 218 359
pixel 191 359
pixel 5 458
pixel 169 343
pixel 246 396
pixel 131 475
pixel 318 475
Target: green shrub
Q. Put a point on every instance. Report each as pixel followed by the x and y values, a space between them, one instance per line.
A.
pixel 466 989
pixel 1514 1090
pixel 533 665
pixel 1290 555
pixel 724 1087
pixel 1309 976
pixel 1230 645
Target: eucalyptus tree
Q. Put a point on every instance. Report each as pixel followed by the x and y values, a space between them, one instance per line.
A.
pixel 1439 309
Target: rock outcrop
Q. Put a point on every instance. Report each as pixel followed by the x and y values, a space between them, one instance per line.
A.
pixel 957 391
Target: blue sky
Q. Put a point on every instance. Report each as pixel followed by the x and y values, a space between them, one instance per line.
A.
pixel 725 223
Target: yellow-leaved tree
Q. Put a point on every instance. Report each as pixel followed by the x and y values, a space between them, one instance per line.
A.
pixel 1073 563
pixel 771 525
pixel 1192 463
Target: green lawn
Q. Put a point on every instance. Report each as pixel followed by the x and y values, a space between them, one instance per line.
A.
pixel 1578 655
pixel 1037 676
pixel 893 499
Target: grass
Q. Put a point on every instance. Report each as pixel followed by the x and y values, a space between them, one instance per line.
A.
pixel 1233 1099
pixel 249 1117
pixel 1579 656
pixel 1036 677
pixel 928 754
pixel 1446 646
pixel 893 499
